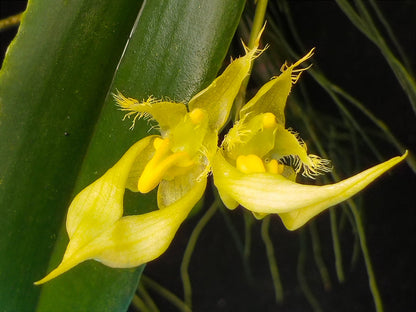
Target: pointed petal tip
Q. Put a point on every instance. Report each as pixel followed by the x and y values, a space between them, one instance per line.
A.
pixel 42 281
pixel 257 42
pixel 296 219
pixel 64 266
pixel 50 276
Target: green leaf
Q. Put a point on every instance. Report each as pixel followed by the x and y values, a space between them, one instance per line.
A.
pixel 52 84
pixel 60 129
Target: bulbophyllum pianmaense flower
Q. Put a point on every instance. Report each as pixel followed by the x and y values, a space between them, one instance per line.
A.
pixel 177 161
pixel 259 159
pixel 255 166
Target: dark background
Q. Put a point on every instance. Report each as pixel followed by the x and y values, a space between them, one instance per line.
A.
pixel 350 60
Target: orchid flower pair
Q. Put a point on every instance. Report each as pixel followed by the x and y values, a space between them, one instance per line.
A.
pixel 255 166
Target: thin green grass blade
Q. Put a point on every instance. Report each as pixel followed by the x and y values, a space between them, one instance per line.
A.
pixel 186 281
pixel 390 34
pixel 166 294
pixel 367 27
pixel 274 269
pixel 52 84
pixel 317 254
pixel 147 299
pixel 303 283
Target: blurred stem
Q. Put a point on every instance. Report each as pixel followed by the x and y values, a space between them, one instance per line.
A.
pixel 302 276
pixel 233 231
pixel 186 281
pixel 367 27
pixel 317 254
pixel 248 224
pixel 410 159
pixel 148 301
pixel 390 33
pixel 258 23
pixel 239 244
pixel 139 304
pixel 336 245
pixel 356 251
pixel 329 88
pixel 165 293
pixel 11 21
pixel 274 270
pixel 363 242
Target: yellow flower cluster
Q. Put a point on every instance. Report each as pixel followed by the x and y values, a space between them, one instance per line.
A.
pixel 255 166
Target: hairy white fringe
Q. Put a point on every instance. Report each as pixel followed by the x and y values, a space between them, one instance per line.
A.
pixel 316 167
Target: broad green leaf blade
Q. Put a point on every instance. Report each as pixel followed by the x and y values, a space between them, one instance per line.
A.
pixel 52 86
pixel 175 50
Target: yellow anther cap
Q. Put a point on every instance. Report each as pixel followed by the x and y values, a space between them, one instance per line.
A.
pixel 274 167
pixel 269 120
pixel 197 115
pixel 157 143
pixel 250 164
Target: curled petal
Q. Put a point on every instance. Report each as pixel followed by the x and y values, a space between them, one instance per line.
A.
pixel 134 240
pixel 138 166
pixel 290 147
pixel 100 204
pixel 295 203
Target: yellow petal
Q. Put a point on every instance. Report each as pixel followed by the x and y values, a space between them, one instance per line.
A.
pixel 290 146
pixel 295 203
pixel 167 114
pixel 97 207
pixel 134 240
pixel 101 203
pixel 227 200
pixel 139 164
pixel 272 96
pixel 170 191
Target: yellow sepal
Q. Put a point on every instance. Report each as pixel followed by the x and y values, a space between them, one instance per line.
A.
pixel 272 96
pixel 218 98
pixel 101 203
pixel 295 203
pixel 95 224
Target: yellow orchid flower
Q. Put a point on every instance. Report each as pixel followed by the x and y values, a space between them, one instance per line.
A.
pixel 259 159
pixel 177 162
pixel 255 166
